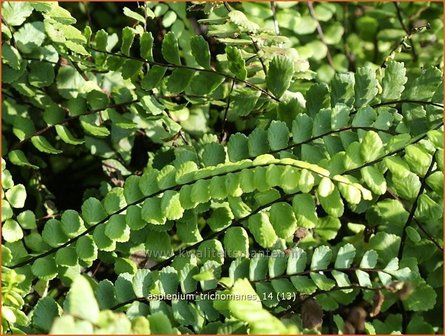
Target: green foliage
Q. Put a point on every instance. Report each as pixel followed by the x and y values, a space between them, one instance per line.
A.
pixel 282 167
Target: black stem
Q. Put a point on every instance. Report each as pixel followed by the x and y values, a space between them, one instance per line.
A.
pixel 320 33
pixel 414 206
pixel 226 110
pixel 175 66
pixel 67 120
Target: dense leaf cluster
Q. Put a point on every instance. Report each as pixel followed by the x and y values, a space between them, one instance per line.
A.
pixel 217 168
